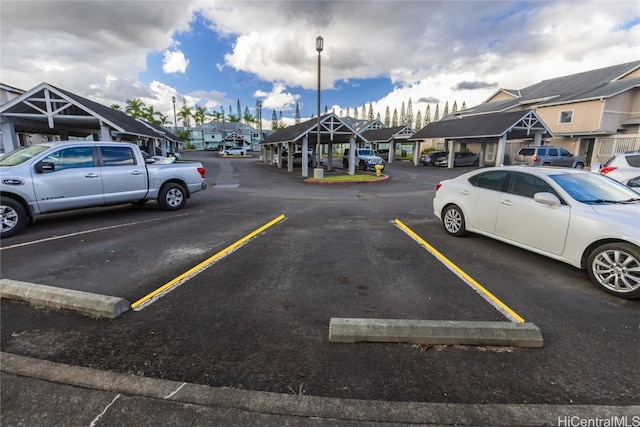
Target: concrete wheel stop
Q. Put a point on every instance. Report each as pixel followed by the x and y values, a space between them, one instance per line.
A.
pixel 449 332
pixel 49 296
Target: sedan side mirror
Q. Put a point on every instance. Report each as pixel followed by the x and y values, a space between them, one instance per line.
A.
pixel 547 199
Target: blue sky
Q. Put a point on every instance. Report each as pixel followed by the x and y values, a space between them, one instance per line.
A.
pixel 384 53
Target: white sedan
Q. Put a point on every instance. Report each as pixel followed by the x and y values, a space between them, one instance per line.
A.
pixel 583 219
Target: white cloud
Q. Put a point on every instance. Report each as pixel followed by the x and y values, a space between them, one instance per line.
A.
pixel 426 49
pixel 174 62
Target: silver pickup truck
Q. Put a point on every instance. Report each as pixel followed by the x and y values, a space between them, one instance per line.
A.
pixel 60 176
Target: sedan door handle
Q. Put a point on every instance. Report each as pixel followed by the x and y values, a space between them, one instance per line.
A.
pixel 506 202
pixel 92 175
pixel 465 192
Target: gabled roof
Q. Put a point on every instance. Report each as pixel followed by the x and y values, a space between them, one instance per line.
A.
pixel 517 125
pixel 387 134
pixel 46 109
pixel 588 85
pixel 332 129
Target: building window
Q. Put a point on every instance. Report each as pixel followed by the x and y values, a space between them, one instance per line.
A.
pixel 566 116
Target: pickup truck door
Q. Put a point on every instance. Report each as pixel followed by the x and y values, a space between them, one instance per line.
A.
pixel 124 175
pixel 67 179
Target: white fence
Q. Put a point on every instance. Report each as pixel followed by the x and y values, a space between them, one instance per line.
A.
pixel 607 147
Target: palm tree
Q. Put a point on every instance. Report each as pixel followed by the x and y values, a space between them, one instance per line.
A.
pixel 149 114
pixel 216 116
pixel 185 115
pixel 200 115
pixel 247 117
pixel 135 108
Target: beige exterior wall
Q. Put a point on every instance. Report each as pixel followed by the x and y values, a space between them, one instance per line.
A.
pixel 619 108
pixel 585 116
pixel 500 96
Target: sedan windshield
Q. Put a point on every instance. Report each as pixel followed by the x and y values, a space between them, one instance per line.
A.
pixel 593 188
pixel 21 155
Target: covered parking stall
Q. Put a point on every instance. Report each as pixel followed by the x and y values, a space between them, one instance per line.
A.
pixel 486 129
pixel 56 114
pixel 391 136
pixel 303 138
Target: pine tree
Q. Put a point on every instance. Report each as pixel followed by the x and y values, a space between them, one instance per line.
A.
pixel 455 107
pixel 464 105
pixel 370 115
pixel 427 115
pixel 297 113
pixel 446 109
pixel 394 120
pixel 418 121
pixel 387 117
pixel 403 116
pixel 436 117
pixel 409 120
pixel 274 120
pixel 239 110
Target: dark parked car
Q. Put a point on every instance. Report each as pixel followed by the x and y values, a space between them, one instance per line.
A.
pixel 464 158
pixel 429 159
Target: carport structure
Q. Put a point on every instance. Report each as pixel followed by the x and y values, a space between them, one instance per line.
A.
pixel 485 129
pixel 390 136
pixel 303 137
pixel 51 111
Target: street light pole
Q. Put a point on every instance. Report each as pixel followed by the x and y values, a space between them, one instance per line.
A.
pixel 318 172
pixel 224 142
pixel 175 123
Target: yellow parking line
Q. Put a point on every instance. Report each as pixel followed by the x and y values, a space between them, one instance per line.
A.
pixel 492 299
pixel 203 265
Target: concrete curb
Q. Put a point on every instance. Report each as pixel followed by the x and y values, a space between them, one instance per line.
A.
pixel 325 182
pixel 448 332
pixel 49 296
pixel 285 409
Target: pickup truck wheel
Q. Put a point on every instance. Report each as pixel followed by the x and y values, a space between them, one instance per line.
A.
pixel 172 197
pixel 579 166
pixel 13 217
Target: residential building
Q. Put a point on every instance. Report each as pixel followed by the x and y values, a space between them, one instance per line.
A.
pixel 593 114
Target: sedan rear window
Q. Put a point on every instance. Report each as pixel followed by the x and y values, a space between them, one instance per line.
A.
pixel 492 180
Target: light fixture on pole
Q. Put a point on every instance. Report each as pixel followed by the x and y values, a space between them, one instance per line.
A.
pixel 318 172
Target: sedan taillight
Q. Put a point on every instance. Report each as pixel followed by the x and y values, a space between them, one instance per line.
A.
pixel 438 185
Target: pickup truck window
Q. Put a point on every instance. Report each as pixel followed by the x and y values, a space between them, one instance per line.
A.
pixel 72 157
pixel 117 156
pixel 21 155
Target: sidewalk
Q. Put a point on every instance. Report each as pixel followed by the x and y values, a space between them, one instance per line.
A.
pixel 36 392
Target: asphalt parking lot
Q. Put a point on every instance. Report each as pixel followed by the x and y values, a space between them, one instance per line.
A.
pixel 258 317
